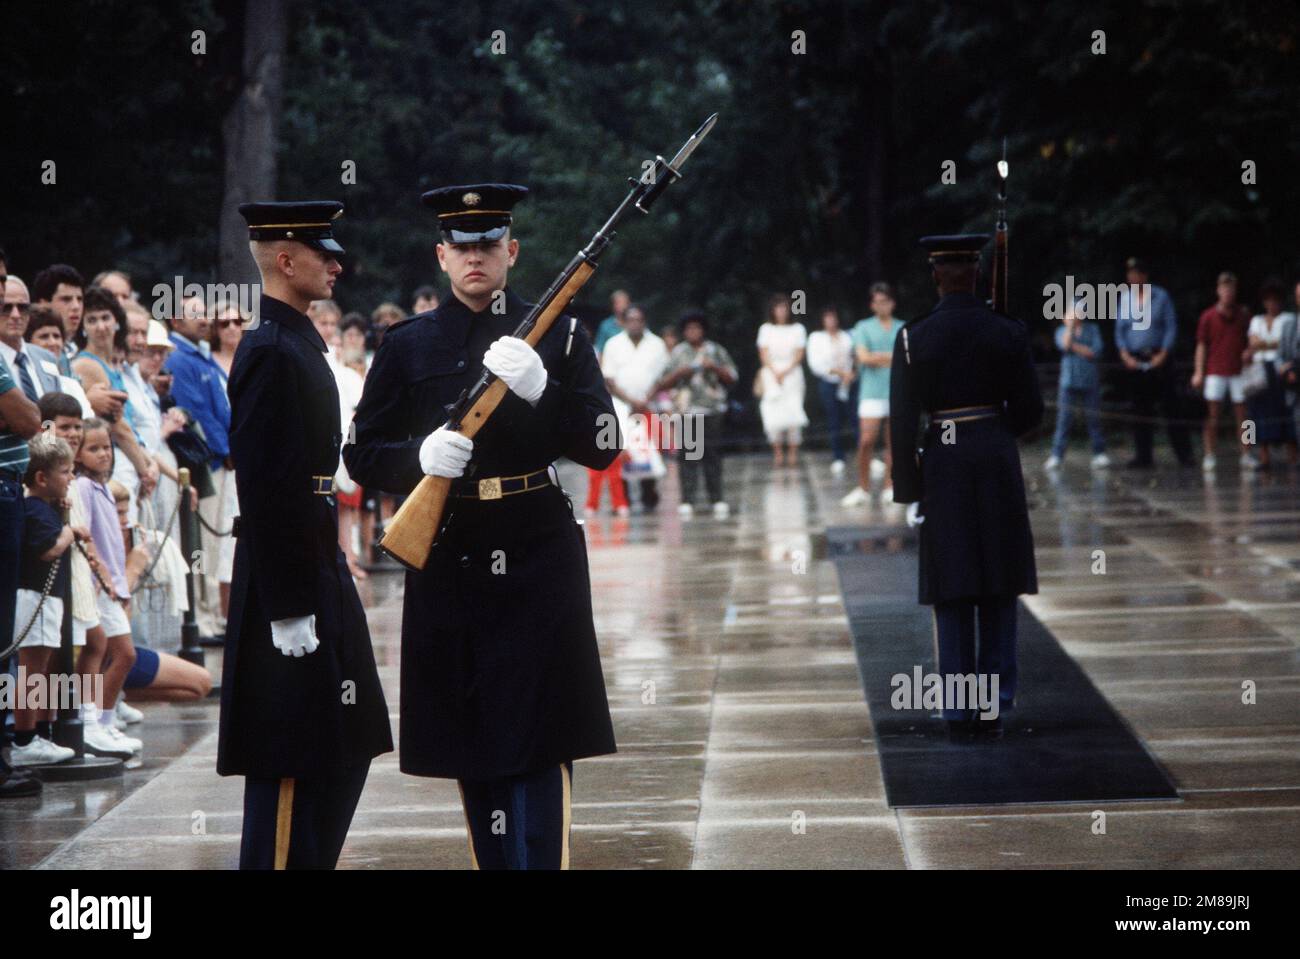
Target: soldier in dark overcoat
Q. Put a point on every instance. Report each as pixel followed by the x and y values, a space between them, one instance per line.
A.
pixel 970 372
pixel 501 684
pixel 302 710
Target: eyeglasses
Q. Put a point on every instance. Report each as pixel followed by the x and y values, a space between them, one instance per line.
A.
pixel 222 324
pixel 22 308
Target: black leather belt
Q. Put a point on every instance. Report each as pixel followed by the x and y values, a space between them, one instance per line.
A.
pixel 495 487
pixel 961 413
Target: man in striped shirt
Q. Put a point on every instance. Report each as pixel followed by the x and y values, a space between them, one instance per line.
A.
pixel 20 419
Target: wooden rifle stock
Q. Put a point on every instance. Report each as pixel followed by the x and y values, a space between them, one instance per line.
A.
pixel 411 533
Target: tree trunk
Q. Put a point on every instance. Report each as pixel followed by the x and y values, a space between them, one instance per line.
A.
pixel 250 132
pixel 879 133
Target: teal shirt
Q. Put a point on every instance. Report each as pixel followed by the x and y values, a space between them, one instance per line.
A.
pixel 873 381
pixel 13 448
pixel 608 329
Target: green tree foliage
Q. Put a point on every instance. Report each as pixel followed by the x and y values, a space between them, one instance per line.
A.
pixel 822 171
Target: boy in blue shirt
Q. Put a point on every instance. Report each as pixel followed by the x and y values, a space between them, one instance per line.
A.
pixel 39 619
pixel 1080 344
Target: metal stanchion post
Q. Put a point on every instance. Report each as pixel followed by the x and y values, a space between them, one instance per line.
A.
pixel 190 650
pixel 379 561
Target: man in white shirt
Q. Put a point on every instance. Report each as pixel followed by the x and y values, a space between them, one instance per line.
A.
pixel 632 363
pixel 35 370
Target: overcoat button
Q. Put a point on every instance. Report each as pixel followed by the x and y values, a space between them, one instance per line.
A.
pixel 464 561
pixel 460 362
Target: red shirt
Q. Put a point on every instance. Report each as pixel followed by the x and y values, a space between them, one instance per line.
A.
pixel 1224 338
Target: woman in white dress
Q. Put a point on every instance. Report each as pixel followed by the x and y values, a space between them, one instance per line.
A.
pixel 1268 409
pixel 781 344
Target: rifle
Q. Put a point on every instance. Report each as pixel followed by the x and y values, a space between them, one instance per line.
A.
pixel 413 530
pixel 999 300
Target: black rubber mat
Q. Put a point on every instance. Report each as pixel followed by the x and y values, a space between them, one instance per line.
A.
pixel 1062 742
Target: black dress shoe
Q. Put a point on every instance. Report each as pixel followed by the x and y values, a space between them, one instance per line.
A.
pixel 1137 464
pixel 15 785
pixel 961 731
pixel 988 728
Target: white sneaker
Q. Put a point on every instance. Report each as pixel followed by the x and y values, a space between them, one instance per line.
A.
pixel 1208 463
pixel 837 468
pixel 877 470
pixel 686 511
pixel 39 752
pixel 1248 461
pixel 104 740
pixel 1053 462
pixel 721 510
pixel 1101 461
pixel 129 742
pixel 125 714
pixel 856 497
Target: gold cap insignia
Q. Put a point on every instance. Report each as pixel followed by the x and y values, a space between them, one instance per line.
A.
pixel 471 199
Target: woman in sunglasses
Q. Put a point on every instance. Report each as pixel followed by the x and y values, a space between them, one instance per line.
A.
pixel 227 328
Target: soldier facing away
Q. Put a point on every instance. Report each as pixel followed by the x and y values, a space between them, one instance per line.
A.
pixel 971 370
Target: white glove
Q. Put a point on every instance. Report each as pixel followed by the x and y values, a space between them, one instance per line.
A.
pixel 445 452
pixel 295 637
pixel 914 517
pixel 519 366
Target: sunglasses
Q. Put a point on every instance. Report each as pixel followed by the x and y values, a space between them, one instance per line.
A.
pixel 23 308
pixel 222 324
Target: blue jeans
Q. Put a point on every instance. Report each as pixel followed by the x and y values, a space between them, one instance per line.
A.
pixel 838 412
pixel 1067 401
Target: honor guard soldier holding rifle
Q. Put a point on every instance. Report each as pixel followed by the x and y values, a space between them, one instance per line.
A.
pixel 302 710
pixel 501 679
pixel 970 369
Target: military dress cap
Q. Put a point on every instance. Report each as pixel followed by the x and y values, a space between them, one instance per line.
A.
pixel 476 212
pixel 954 248
pixel 309 221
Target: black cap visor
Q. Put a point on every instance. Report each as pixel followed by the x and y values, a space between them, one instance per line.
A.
pixel 325 244
pixel 456 237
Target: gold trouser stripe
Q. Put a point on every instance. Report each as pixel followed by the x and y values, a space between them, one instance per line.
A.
pixel 283 823
pixel 469 830
pixel 568 816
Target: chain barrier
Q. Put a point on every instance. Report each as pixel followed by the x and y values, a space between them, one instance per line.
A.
pixel 45 592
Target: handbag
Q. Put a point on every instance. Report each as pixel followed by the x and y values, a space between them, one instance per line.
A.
pixel 1254 379
pixel 643 459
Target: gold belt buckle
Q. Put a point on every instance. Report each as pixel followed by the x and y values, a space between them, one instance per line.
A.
pixel 489 488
